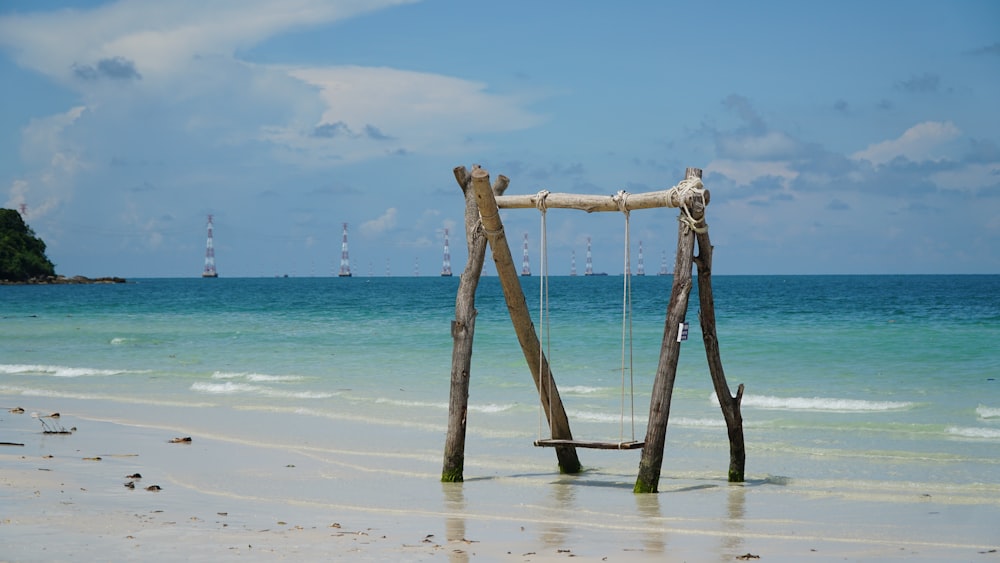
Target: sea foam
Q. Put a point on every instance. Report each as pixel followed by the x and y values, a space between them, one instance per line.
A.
pixel 256 377
pixel 979 433
pixel 827 404
pixel 580 389
pixel 60 371
pixel 234 388
pixel 985 412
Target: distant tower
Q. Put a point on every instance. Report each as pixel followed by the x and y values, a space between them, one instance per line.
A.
pixel 640 269
pixel 446 266
pixel 23 208
pixel 416 267
pixel 590 261
pixel 209 271
pixel 388 272
pixel 525 264
pixel 345 264
pixel 663 265
pixel 572 268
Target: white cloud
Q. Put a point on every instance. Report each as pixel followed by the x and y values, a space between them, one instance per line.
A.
pixel 161 38
pixel 921 142
pixel 381 224
pixel 410 112
pixel 54 160
pixel 745 171
pixel 771 145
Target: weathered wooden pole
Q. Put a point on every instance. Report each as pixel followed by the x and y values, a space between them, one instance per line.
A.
pixel 521 319
pixel 730 405
pixel 463 329
pixel 666 370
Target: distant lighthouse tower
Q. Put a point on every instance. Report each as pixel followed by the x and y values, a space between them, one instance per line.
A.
pixel 345 264
pixel 572 267
pixel 640 270
pixel 590 261
pixel 209 271
pixel 446 265
pixel 525 264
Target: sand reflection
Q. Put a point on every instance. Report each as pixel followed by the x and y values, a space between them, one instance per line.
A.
pixel 454 525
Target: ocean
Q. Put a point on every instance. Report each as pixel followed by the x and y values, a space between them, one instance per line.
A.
pixel 858 388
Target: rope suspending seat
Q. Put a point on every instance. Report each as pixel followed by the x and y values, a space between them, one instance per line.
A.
pixel 621 201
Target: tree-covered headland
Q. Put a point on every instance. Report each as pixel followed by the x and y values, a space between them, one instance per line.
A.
pixel 22 254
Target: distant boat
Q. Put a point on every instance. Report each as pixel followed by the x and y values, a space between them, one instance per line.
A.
pixel 209 275
pixel 344 275
pixel 445 274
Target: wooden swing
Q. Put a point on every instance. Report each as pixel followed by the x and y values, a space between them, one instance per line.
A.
pixel 483 202
pixel 543 316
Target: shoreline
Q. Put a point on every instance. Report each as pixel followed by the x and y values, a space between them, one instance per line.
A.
pixel 251 484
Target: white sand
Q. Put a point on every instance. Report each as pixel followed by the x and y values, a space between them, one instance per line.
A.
pixel 250 486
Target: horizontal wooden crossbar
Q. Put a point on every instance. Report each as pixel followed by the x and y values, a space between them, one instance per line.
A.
pixel 551 443
pixel 672 197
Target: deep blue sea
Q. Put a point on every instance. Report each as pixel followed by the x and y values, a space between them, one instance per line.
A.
pixel 848 378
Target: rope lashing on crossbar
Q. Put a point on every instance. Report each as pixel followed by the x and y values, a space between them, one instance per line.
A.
pixel 679 195
pixel 540 200
pixel 621 199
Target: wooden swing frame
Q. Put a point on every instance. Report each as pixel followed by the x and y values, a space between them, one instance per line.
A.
pixel 483 225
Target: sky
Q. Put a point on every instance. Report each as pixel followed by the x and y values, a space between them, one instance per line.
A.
pixel 849 137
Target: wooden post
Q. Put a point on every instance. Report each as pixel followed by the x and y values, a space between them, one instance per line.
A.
pixel 666 371
pixel 463 329
pixel 730 405
pixel 521 319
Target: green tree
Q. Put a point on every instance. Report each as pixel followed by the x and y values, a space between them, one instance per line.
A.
pixel 22 254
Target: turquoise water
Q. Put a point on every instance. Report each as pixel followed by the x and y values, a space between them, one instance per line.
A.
pixel 848 378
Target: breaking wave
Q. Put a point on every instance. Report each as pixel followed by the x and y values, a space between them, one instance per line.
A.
pixel 256 377
pixel 61 371
pixel 826 404
pixel 980 433
pixel 233 388
pixel 985 412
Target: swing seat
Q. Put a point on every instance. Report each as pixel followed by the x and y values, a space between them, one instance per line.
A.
pixel 552 442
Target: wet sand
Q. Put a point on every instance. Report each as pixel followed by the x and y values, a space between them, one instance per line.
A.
pixel 260 486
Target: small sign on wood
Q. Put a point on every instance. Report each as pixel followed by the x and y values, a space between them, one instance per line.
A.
pixel 682 332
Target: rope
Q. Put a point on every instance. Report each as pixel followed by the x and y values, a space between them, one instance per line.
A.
pixel 621 198
pixel 682 193
pixel 543 311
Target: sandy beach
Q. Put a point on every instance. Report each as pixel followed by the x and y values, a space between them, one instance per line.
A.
pixel 248 486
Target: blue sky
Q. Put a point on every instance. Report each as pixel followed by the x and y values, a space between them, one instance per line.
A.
pixel 836 137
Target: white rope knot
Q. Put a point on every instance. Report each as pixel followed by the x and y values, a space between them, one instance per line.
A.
pixel 684 192
pixel 621 198
pixel 540 200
